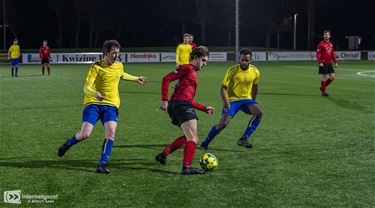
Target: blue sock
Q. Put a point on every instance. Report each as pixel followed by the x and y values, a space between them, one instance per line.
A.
pixel 72 141
pixel 214 131
pixel 253 124
pixel 106 150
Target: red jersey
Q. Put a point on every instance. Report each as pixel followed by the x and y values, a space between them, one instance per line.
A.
pixel 44 52
pixel 325 53
pixel 193 45
pixel 185 87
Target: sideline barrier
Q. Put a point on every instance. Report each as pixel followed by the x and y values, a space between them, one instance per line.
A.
pixel 169 57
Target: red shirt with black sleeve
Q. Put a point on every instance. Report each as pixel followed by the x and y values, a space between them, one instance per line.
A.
pixel 44 52
pixel 185 87
pixel 325 53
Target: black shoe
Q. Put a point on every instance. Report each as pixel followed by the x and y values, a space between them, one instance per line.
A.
pixel 101 168
pixel 161 158
pixel 191 171
pixel 243 142
pixel 204 146
pixel 62 149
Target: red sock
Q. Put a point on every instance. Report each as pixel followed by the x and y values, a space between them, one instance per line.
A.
pixel 189 152
pixel 328 82
pixel 323 87
pixel 177 143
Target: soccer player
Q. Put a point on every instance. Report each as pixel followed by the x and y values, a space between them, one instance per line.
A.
pixel 238 92
pixel 181 108
pixel 183 51
pixel 325 54
pixel 102 101
pixel 45 56
pixel 191 42
pixel 14 56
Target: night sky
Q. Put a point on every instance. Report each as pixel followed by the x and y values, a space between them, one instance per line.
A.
pixel 155 23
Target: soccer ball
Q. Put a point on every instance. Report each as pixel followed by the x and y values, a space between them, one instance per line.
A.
pixel 208 161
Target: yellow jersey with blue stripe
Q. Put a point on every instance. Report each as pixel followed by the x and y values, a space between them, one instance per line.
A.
pixel 105 79
pixel 14 51
pixel 239 82
pixel 183 53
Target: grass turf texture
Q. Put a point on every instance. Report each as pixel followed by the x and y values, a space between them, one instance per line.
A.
pixel 309 151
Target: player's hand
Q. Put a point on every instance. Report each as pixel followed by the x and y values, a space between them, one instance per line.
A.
pixel 336 65
pixel 143 80
pixel 210 110
pixel 164 104
pixel 226 105
pixel 321 64
pixel 99 96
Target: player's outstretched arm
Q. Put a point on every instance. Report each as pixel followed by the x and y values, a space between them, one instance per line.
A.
pixel 143 80
pixel 210 110
pixel 164 104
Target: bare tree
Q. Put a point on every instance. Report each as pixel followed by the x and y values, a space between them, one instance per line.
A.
pixel 204 16
pixel 78 24
pixel 57 8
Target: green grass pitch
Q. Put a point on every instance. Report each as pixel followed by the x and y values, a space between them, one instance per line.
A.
pixel 309 151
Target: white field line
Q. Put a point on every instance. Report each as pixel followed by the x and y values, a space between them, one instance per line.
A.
pixel 339 68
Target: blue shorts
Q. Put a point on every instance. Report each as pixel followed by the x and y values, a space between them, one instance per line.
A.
pixel 14 62
pixel 92 113
pixel 237 105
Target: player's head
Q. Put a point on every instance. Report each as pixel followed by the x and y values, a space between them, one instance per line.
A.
pixel 199 57
pixel 15 41
pixel 245 58
pixel 45 42
pixel 326 34
pixel 186 37
pixel 191 39
pixel 111 50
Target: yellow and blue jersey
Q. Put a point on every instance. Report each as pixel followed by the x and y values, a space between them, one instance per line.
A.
pixel 14 51
pixel 239 82
pixel 183 53
pixel 105 79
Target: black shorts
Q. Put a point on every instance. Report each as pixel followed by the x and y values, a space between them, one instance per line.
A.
pixel 327 68
pixel 181 111
pixel 45 61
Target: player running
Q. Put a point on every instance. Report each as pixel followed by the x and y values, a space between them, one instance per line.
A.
pixel 102 101
pixel 181 108
pixel 45 56
pixel 238 92
pixel 14 54
pixel 183 51
pixel 325 54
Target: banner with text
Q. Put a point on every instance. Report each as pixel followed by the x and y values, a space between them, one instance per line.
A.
pixel 33 58
pixel 168 57
pixel 371 55
pixel 348 55
pixel 143 57
pixel 78 58
pixel 217 57
pixel 259 56
pixel 291 56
